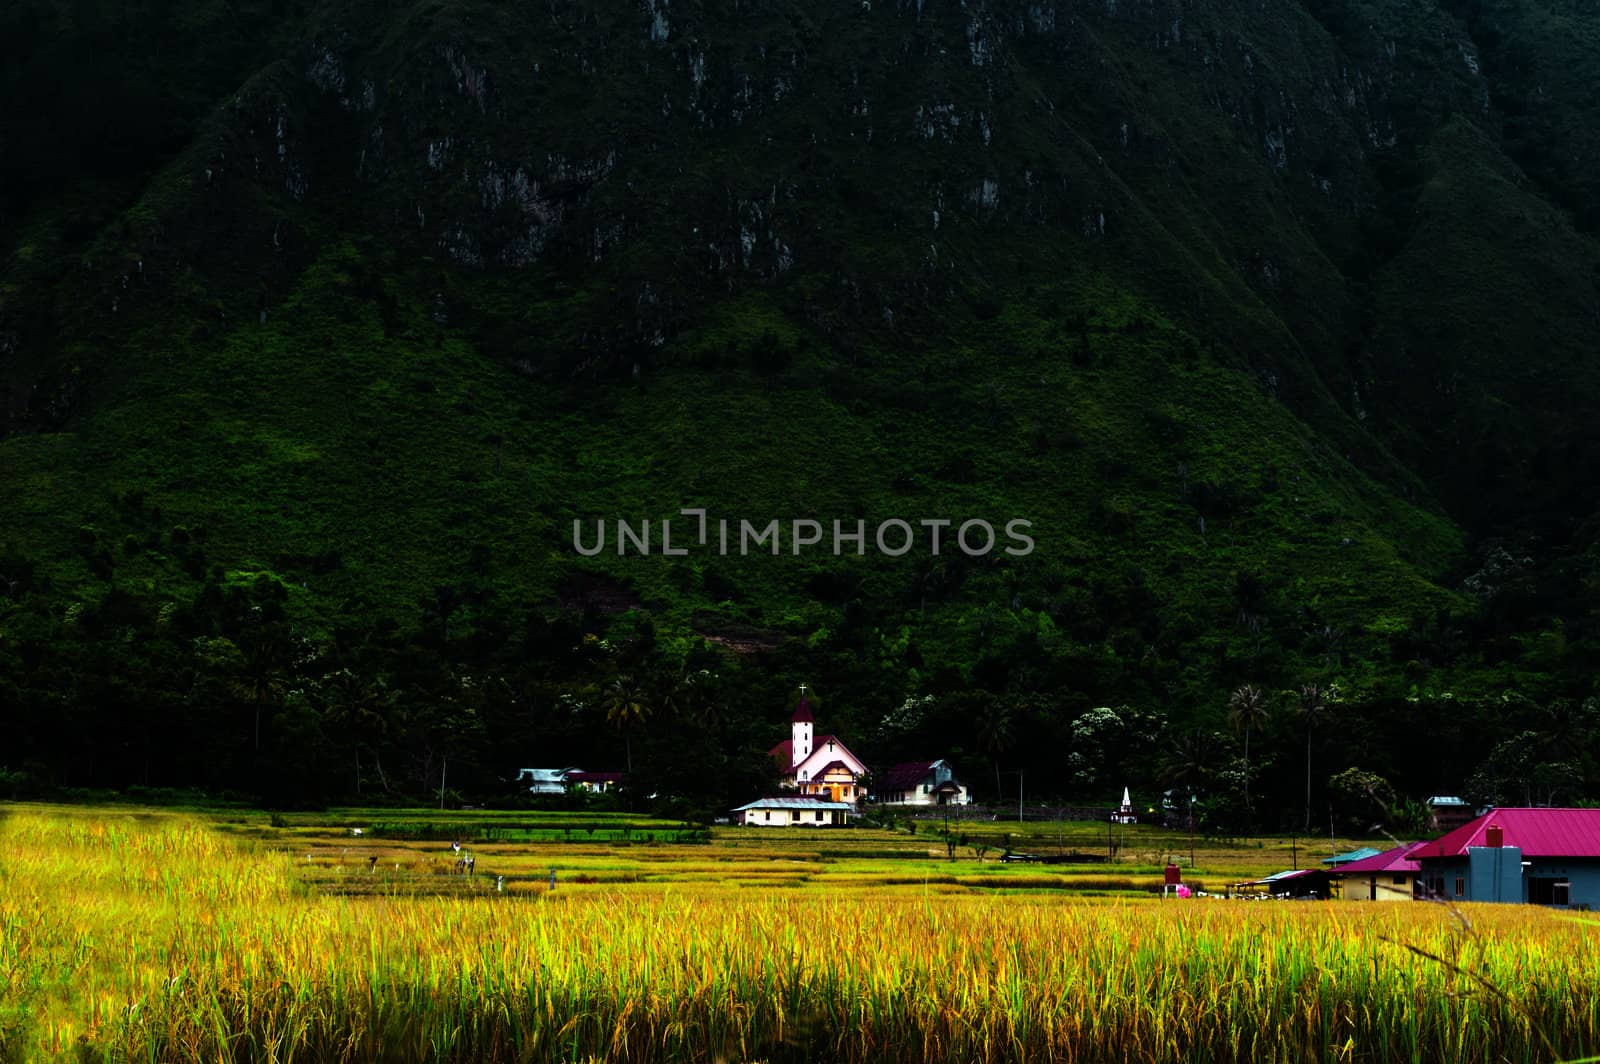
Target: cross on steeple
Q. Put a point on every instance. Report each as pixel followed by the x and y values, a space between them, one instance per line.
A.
pixel 802 690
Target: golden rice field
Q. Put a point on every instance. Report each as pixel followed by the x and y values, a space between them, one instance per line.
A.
pixel 160 937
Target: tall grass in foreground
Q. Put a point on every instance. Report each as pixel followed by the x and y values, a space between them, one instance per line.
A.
pixel 156 941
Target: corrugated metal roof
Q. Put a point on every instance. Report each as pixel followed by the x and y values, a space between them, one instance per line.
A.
pixel 1395 861
pixel 1347 857
pixel 1536 832
pixel 795 803
pixel 1279 877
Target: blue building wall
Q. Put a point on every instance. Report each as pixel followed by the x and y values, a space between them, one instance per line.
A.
pixel 1494 873
pixel 1582 875
pixel 1491 874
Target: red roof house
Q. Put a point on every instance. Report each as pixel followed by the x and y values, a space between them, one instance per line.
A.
pixel 1538 856
pixel 1389 876
pixel 1536 832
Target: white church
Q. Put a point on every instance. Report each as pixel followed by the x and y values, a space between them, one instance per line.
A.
pixel 819 766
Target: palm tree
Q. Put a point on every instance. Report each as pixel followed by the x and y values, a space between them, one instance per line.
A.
pixel 1313 701
pixel 996 735
pixel 674 692
pixel 1247 710
pixel 625 705
pixel 1190 761
pixel 267 655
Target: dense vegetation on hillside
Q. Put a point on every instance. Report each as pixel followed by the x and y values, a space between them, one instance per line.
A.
pixel 320 328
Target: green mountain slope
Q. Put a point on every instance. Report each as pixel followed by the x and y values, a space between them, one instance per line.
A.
pixel 1277 324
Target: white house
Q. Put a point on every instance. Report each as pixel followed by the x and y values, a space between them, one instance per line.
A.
pixel 790 811
pixel 546 780
pixel 920 783
pixel 817 766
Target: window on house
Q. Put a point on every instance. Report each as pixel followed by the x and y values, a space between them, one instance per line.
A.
pixel 1548 890
pixel 1461 886
pixel 1399 881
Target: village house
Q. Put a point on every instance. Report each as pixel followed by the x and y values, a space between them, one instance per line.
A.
pixel 563 780
pixel 920 783
pixel 1392 875
pixel 1298 884
pixel 597 782
pixel 817 766
pixel 792 811
pixel 545 780
pixel 1533 856
pixel 1446 812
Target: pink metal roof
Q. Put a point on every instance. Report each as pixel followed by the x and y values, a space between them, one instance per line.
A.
pixel 802 712
pixel 1397 861
pixel 1536 832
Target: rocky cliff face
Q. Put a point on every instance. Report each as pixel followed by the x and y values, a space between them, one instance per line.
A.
pixel 1321 190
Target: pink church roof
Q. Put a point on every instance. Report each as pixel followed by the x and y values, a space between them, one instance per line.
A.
pixel 802 712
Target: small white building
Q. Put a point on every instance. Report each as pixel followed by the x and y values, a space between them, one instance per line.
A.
pixel 789 811
pixel 1124 813
pixel 546 780
pixel 920 783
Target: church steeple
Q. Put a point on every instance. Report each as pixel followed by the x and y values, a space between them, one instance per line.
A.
pixel 800 730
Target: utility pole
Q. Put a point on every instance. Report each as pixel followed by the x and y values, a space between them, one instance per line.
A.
pixel 1191 831
pixel 443 764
